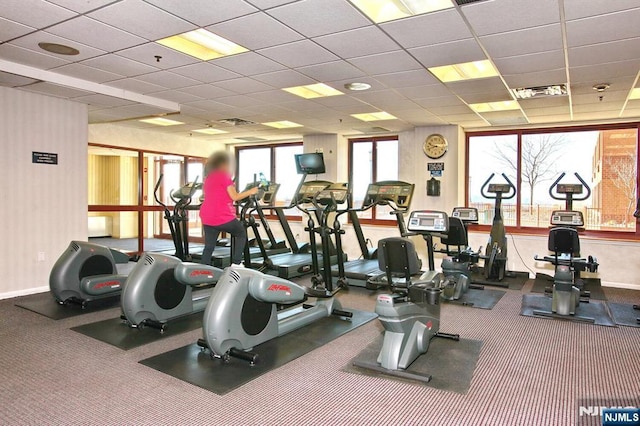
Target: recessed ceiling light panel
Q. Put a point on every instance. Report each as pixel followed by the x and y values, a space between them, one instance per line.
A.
pixel 210 131
pixel 388 10
pixel 59 49
pixel 282 124
pixel 312 91
pixel 635 93
pixel 159 121
pixel 495 106
pixel 464 71
pixel 374 116
pixel 202 44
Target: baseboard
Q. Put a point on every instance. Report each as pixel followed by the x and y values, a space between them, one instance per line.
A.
pixel 25 292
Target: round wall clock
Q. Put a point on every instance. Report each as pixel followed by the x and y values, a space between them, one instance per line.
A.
pixel 435 146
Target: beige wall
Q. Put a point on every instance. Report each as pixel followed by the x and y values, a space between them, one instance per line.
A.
pixel 48 202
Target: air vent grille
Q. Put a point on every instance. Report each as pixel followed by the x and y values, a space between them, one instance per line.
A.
pixel 234 276
pixel 75 246
pixel 149 260
pixel 236 122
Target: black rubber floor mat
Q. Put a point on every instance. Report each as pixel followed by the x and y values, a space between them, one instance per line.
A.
pixel 481 299
pixel 44 304
pixel 514 280
pixel 624 314
pixel 595 312
pixel 592 285
pixel 449 363
pixel 195 366
pixel 115 332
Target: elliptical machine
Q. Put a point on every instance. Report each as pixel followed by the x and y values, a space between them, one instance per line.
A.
pixel 495 256
pixel 564 242
pixel 410 315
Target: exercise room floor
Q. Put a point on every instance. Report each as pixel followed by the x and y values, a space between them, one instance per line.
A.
pixel 531 372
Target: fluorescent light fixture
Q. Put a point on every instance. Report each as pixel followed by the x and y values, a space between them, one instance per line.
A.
pixel 388 10
pixel 312 91
pixel 159 121
pixel 282 124
pixel 202 44
pixel 635 93
pixel 374 116
pixel 495 106
pixel 464 71
pixel 210 131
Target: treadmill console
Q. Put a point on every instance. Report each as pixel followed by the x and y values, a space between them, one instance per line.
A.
pixel 428 221
pixel 465 214
pixel 569 188
pixel 570 218
pixel 397 192
pixel 499 188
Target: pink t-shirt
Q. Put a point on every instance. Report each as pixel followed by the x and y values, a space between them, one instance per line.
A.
pixel 217 207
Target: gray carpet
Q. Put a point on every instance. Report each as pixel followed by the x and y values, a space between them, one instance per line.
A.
pixel 530 372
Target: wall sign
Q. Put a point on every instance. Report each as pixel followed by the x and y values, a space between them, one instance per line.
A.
pixel 436 169
pixel 44 158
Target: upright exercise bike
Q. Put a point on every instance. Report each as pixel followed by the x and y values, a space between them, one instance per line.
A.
pixel 495 256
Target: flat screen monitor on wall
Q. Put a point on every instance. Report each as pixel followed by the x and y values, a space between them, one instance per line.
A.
pixel 310 164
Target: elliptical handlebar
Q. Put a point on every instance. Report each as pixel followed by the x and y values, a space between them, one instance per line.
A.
pixel 554 185
pixel 504 196
pixel 155 191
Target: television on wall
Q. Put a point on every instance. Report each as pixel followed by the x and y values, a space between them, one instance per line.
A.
pixel 310 164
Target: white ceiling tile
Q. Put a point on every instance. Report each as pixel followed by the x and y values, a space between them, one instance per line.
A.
pixel 533 79
pixel 599 115
pixel 55 90
pixel 106 115
pixel 206 105
pixel 266 4
pixel 176 96
pixel 195 112
pixel 303 105
pixel 633 104
pixel 545 102
pixel 452 110
pixel 142 19
pixel 501 118
pixel 596 54
pixel 168 80
pixel 239 101
pixel 497 16
pixel 135 85
pixel 147 53
pixel 425 91
pixel 456 118
pixel 631 113
pixel 284 78
pixel 594 97
pixel 534 62
pixel 314 18
pixel 441 101
pixel 243 31
pixel 379 96
pixel 299 54
pixel 103 100
pixel 385 63
pixel 13 80
pixel 82 6
pixel 205 72
pixel 603 28
pixel 493 96
pixel 96 34
pixel 407 79
pixel 244 85
pixel 205 12
pixel 331 71
pixel 522 42
pixel 249 64
pixel 31 42
pixel 615 85
pixel 574 9
pixel 207 91
pixel 598 107
pixel 275 96
pixel 29 57
pixel 454 52
pixel 34 13
pixel 558 118
pixel 119 65
pixel 485 85
pixel 10 29
pixel 603 72
pixel 425 30
pixel 358 42
pixel 140 110
pixel 340 102
pixel 547 111
pixel 87 73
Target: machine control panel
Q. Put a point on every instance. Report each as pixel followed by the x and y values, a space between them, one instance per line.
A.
pixel 496 188
pixel 337 192
pixel 465 214
pixel 428 221
pixel 267 194
pixel 308 190
pixel 397 192
pixel 569 188
pixel 570 218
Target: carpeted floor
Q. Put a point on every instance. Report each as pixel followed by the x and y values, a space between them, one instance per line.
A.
pixel 531 372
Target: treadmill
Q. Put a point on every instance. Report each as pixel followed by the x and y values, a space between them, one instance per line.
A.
pixel 395 194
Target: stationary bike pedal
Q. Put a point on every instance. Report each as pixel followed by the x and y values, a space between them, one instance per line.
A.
pixel 306 306
pixel 455 337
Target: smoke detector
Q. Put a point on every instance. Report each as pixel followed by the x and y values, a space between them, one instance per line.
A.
pixel 601 87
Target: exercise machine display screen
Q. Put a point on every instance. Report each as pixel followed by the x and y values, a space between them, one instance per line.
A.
pixel 499 188
pixel 311 164
pixel 569 188
pixel 308 190
pixel 422 221
pixel 567 218
pixel 465 214
pixel 399 193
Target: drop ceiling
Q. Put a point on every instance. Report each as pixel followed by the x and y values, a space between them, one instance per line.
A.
pixel 293 43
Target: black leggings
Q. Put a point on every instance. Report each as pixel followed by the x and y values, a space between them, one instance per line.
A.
pixel 238 236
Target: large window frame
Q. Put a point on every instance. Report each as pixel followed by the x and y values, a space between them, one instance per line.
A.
pixel 374 220
pixel 527 230
pixel 141 208
pixel 272 171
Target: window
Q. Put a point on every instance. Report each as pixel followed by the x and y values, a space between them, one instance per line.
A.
pixel 605 157
pixel 276 163
pixel 372 160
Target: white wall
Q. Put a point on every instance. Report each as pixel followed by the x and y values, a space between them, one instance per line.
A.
pixel 45 206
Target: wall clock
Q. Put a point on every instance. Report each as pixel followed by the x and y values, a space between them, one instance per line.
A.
pixel 435 146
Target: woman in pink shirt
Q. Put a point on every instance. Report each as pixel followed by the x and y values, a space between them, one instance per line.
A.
pixel 217 211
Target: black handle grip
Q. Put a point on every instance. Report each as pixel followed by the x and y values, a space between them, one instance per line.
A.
pixel 553 186
pixel 484 187
pixel 513 188
pixel 588 194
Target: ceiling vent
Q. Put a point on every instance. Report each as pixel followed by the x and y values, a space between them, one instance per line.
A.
pixel 236 122
pixel 464 2
pixel 540 91
pixel 251 139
